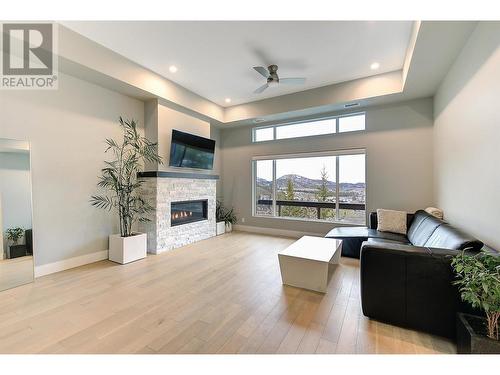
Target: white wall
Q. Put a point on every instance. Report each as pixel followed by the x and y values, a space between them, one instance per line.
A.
pixel 67 128
pixel 169 119
pixel 398 143
pixel 15 191
pixel 160 120
pixel 215 134
pixel 467 137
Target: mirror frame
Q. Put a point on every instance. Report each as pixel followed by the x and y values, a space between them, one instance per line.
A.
pixel 30 176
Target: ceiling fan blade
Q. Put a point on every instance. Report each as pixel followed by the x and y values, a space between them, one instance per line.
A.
pixel 293 81
pixel 263 71
pixel 261 88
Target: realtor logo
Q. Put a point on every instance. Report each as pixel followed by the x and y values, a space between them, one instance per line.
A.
pixel 28 59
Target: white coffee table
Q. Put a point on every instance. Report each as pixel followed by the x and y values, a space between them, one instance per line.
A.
pixel 306 262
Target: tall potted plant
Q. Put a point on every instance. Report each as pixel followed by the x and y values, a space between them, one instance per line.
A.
pixel 119 178
pixel 479 284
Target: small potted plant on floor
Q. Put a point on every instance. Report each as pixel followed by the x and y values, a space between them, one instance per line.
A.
pixel 119 177
pixel 230 219
pixel 14 235
pixel 479 284
pixel 220 214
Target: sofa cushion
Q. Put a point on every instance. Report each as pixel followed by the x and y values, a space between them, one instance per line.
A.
pixel 447 237
pixel 394 237
pixel 348 232
pixel 364 233
pixel 383 241
pixel 391 221
pixel 422 227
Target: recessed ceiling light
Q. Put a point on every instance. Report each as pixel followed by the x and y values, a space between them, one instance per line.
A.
pixel 172 68
pixel 374 66
pixel 227 100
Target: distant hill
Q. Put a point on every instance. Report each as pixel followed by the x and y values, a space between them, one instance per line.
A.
pixel 304 183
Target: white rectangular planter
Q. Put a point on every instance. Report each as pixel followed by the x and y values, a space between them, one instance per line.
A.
pixel 220 227
pixel 127 249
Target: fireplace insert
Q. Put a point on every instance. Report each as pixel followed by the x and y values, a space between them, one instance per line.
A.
pixel 188 212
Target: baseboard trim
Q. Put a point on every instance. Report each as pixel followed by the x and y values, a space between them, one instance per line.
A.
pixel 274 232
pixel 66 264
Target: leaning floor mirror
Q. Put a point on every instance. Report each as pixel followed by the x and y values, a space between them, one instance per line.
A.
pixel 16 235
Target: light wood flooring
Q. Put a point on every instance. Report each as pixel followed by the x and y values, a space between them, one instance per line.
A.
pixel 222 295
pixel 16 271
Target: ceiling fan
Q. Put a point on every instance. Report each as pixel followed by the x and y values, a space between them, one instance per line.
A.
pixel 272 78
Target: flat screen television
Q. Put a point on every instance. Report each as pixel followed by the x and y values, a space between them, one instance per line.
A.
pixel 191 151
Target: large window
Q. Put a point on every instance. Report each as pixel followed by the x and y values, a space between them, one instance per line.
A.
pixel 331 125
pixel 322 186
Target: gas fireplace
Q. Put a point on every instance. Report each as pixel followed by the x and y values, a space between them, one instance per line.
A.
pixel 188 212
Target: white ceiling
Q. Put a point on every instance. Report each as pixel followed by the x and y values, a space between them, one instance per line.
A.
pixel 215 58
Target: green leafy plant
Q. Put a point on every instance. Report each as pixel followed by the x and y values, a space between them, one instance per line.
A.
pixel 479 284
pixel 14 234
pixel 219 212
pixel 230 217
pixel 226 215
pixel 119 177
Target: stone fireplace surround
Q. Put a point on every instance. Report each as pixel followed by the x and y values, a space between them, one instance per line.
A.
pixel 163 188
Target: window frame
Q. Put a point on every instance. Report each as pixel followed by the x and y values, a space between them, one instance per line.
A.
pixel 274 158
pixel 336 118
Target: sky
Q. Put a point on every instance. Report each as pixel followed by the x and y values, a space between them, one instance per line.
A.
pixel 351 167
pixel 319 127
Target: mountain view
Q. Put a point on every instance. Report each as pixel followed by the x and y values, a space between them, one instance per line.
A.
pixel 304 183
pixel 293 187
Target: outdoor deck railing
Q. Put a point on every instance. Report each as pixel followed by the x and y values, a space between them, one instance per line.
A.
pixel 317 205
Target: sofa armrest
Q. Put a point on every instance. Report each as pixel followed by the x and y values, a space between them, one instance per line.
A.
pixel 382 282
pixel 394 247
pixel 409 286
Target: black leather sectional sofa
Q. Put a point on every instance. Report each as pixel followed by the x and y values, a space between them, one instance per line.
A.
pixel 406 280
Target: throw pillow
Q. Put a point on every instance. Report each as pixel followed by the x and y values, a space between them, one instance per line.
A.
pixel 435 212
pixel 391 221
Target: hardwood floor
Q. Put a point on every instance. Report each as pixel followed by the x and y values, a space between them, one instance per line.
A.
pixel 16 271
pixel 222 295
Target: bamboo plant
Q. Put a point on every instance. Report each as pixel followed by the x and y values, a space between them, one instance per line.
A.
pixel 119 177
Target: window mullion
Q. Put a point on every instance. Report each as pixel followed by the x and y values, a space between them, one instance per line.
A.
pixel 254 187
pixel 274 187
pixel 337 188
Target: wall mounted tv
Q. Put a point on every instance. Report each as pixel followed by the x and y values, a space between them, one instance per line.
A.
pixel 191 151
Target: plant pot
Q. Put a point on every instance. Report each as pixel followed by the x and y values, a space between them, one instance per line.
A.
pixel 16 251
pixel 229 227
pixel 127 249
pixel 471 336
pixel 220 227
